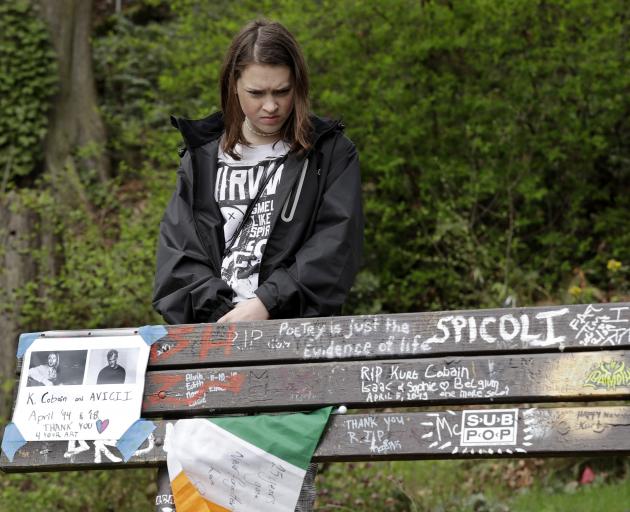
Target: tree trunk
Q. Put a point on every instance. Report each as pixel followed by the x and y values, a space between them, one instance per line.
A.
pixel 75 122
pixel 17 269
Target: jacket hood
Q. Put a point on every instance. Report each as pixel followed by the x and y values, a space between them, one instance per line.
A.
pixel 197 132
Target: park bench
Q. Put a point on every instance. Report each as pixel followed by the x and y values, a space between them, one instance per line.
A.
pixel 491 383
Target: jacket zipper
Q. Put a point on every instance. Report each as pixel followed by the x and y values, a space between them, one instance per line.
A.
pixel 308 156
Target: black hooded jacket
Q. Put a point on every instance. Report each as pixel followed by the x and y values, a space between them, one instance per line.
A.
pixel 314 246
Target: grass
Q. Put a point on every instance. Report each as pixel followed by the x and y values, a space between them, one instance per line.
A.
pixel 514 485
pixel 79 491
pixel 614 497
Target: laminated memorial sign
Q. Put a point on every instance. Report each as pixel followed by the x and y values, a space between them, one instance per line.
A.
pixel 81 388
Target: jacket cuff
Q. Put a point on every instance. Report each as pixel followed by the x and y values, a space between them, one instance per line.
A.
pixel 219 311
pixel 268 299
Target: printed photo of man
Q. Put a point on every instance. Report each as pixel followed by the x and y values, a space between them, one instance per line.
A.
pixel 113 373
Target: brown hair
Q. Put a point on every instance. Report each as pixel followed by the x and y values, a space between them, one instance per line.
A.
pixel 265 42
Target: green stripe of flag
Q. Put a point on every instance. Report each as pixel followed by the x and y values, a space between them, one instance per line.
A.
pixel 290 437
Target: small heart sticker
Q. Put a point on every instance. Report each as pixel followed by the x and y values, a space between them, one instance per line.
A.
pixel 101 425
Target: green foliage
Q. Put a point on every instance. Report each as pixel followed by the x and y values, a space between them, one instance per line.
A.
pixel 104 252
pixel 474 485
pixel 129 61
pixel 26 85
pixel 105 277
pixel 93 491
pixel 361 486
pixel 493 137
pixel 598 496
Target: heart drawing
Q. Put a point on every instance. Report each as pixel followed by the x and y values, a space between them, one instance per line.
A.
pixel 101 425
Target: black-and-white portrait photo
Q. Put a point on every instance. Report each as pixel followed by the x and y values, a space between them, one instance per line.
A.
pixel 112 373
pixel 57 367
pixel 112 366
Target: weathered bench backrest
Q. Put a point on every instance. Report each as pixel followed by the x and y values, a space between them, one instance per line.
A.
pixel 523 356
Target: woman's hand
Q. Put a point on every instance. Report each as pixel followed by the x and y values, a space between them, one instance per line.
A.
pixel 246 311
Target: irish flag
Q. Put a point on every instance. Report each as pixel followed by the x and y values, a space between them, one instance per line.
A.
pixel 242 464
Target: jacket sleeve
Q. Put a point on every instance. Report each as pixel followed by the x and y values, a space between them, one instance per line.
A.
pixel 319 280
pixel 187 287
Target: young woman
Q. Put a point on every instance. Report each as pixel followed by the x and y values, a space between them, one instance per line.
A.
pixel 266 221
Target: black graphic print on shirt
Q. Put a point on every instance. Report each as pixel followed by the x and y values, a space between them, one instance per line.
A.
pixel 238 183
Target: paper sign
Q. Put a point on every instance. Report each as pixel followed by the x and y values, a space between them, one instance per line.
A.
pixel 87 388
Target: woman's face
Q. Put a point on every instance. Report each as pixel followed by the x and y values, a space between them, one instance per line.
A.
pixel 52 359
pixel 266 95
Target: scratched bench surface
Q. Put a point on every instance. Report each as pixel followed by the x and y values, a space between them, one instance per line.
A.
pixel 393 383
pixel 444 434
pixel 584 327
pixel 554 328
pixel 478 358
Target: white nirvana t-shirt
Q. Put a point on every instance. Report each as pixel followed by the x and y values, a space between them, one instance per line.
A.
pixel 238 182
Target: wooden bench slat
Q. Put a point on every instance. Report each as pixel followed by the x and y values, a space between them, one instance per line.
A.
pixel 451 380
pixel 388 436
pixel 553 328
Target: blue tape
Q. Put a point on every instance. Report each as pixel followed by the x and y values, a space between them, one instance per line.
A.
pixel 134 437
pixel 151 333
pixel 12 441
pixel 26 340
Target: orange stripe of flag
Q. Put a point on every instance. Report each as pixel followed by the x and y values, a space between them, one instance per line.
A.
pixel 188 499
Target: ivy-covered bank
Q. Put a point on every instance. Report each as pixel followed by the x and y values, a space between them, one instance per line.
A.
pixel 494 141
pixel 26 87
